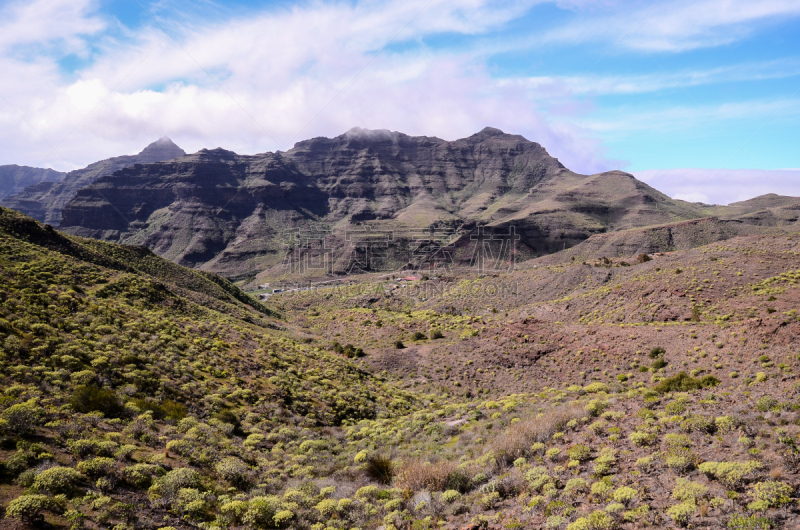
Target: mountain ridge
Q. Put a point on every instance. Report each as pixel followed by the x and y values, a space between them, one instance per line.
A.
pixel 208 208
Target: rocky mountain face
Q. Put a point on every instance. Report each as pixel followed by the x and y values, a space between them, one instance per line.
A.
pixel 236 214
pixel 45 200
pixel 14 178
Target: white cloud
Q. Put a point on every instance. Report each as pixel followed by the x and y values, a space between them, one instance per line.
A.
pixel 278 77
pixel 722 186
pixel 653 82
pixel 47 23
pixel 675 26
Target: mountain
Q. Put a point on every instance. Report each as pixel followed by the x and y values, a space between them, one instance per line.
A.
pixel 45 200
pixel 230 213
pixel 14 178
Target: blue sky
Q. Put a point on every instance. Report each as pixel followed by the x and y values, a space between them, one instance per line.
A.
pixel 683 94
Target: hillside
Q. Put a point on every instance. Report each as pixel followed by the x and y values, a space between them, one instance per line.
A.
pixel 610 394
pixel 14 178
pixel 45 199
pixel 233 214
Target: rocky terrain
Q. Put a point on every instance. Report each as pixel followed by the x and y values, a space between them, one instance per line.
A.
pixel 45 199
pixel 14 179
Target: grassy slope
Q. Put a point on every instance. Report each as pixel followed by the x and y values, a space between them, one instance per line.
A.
pixel 534 410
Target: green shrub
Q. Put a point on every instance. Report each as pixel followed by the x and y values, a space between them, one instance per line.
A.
pixel 732 475
pixel 22 418
pixel 642 438
pixel 656 352
pixel 450 496
pixel 90 398
pixel 167 487
pixel 579 452
pixel 699 423
pixel 576 485
pixel 399 344
pixel 261 512
pixel 96 467
pixel 687 491
pixel 767 403
pixel 436 334
pixel 141 475
pixel 367 492
pixel 166 410
pixel 624 495
pixel 681 513
pixel 233 470
pixel 658 364
pixel 604 463
pixel 418 335
pixel 597 520
pixel 595 387
pixel 769 494
pixel 725 424
pixel 233 511
pixel 57 480
pixel 753 522
pixel 683 382
pixel 29 508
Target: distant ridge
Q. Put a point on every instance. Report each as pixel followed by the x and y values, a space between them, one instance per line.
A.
pixel 45 200
pixel 14 178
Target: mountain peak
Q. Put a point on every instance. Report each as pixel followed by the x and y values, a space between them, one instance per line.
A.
pixel 162 149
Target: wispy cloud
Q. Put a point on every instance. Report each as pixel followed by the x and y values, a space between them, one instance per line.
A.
pixel 674 26
pixel 654 82
pixel 722 186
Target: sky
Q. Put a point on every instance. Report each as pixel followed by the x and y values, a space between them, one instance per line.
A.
pixel 699 98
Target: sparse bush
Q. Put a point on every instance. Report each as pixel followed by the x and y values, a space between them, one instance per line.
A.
pixel 518 438
pixel 624 495
pixel 96 467
pixel 681 513
pixel 450 496
pixel 29 508
pixel 439 476
pixel 731 474
pixel 261 512
pixel 418 335
pixel 769 494
pixel 141 475
pixel 379 468
pixel 233 470
pixel 436 334
pixel 642 438
pixel 57 480
pixel 604 463
pixel 90 398
pixel 753 522
pixel 167 487
pixel 597 520
pixel 683 382
pixel 579 452
pixel 687 491
pixel 656 352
